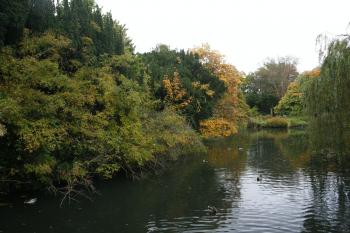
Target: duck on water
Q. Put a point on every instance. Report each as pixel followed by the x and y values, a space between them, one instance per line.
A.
pixel 212 210
pixel 259 178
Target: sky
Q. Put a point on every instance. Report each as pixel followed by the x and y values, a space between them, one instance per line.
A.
pixel 247 32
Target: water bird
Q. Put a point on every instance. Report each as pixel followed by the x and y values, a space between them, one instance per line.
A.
pixel 259 178
pixel 212 210
pixel 31 201
pixel 240 148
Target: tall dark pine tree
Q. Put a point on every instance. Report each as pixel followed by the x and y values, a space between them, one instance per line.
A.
pixel 64 18
pixel 97 28
pixel 108 33
pixel 13 14
pixel 119 39
pixel 41 15
pixel 82 21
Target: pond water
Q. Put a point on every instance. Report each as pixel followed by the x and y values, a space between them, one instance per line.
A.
pixel 292 195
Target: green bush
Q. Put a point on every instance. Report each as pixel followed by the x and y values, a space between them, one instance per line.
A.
pixel 293 102
pixel 267 122
pixel 59 128
pixel 276 122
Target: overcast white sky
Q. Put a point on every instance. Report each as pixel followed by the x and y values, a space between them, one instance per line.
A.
pixel 245 31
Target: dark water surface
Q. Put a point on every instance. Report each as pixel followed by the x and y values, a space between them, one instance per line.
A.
pixel 292 196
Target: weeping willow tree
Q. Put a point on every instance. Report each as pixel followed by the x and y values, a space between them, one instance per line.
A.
pixel 328 103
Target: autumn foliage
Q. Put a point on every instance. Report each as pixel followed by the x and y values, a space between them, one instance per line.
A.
pixel 230 108
pixel 293 102
pixel 176 95
pixel 218 127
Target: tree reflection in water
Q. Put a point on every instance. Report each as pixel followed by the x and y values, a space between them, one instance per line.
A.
pixel 297 193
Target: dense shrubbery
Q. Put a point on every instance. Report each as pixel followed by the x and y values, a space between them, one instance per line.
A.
pixel 58 127
pixel 180 79
pixel 76 103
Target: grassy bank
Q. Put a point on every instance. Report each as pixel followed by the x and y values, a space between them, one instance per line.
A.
pixel 263 122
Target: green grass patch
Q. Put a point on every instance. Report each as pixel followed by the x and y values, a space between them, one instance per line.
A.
pixel 263 122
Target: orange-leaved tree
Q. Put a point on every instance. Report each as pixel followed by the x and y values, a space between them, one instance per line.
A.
pixel 231 108
pixel 175 93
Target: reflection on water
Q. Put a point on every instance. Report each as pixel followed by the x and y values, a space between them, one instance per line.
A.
pixel 330 136
pixel 291 196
